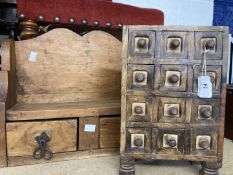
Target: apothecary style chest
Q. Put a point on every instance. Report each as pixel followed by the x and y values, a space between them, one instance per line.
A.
pixel 162 115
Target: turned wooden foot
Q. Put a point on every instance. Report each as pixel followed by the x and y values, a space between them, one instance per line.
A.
pixel 210 168
pixel 127 166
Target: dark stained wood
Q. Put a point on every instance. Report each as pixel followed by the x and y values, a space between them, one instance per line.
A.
pixel 229 115
pixel 88 139
pixel 109 132
pixel 182 125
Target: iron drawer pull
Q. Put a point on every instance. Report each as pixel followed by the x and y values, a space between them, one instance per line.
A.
pixel 42 151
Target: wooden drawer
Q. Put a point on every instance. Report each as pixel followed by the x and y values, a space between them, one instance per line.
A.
pixel 204 141
pixel 214 72
pixel 88 133
pixel 173 78
pixel 140 77
pixel 138 140
pixel 169 141
pixel 21 136
pixel 173 110
pixel 109 132
pixel 174 45
pixel 205 111
pixel 140 109
pixel 142 45
pixel 211 40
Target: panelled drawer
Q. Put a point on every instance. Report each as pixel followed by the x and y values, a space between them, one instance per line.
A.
pixel 174 45
pixel 143 45
pixel 140 77
pixel 211 41
pixel 204 141
pixel 172 78
pixel 215 73
pixel 138 140
pixel 140 109
pixel 170 141
pixel 205 111
pixel 21 136
pixel 173 110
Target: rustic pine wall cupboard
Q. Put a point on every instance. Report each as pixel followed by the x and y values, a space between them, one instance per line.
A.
pixel 162 115
pixel 59 97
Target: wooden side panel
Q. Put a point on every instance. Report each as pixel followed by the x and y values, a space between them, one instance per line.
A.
pixel 11 96
pixel 3 85
pixel 109 132
pixel 88 133
pixel 68 67
pixel 2 136
pixel 5 54
pixel 21 136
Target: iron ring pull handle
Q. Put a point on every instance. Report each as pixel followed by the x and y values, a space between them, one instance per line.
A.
pixel 42 150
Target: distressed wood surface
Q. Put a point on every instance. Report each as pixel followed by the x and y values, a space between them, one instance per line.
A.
pixel 28 160
pixel 69 67
pixel 21 136
pixel 199 138
pixel 88 138
pixel 109 132
pixel 62 110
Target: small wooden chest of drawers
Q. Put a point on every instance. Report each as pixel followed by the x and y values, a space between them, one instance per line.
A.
pixel 162 115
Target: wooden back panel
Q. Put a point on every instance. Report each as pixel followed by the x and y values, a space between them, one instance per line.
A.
pixel 68 67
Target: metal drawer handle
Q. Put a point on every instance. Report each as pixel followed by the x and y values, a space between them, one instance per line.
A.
pixel 171 141
pixel 42 150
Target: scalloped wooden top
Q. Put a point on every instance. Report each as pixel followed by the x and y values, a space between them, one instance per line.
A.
pixel 68 67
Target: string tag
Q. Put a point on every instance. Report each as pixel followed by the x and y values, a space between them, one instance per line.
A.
pixel 204 81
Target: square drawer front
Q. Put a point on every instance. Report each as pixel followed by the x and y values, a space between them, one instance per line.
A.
pixel 205 111
pixel 88 133
pixel 140 77
pixel 173 78
pixel 109 132
pixel 21 136
pixel 215 74
pixel 172 110
pixel 174 45
pixel 141 44
pixel 139 109
pixel 204 141
pixel 210 40
pixel 138 140
pixel 168 141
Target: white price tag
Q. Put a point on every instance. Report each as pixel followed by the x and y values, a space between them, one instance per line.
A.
pixel 89 128
pixel 32 56
pixel 204 87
